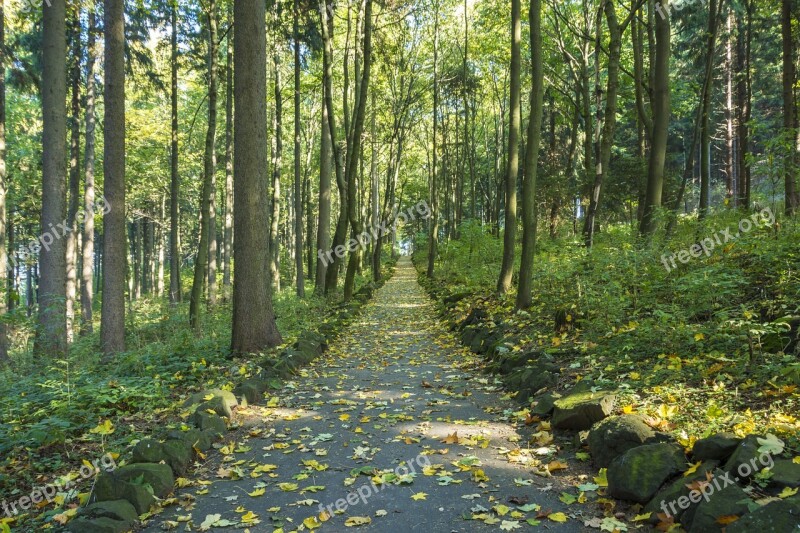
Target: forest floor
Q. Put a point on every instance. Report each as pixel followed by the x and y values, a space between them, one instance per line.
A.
pixel 395 389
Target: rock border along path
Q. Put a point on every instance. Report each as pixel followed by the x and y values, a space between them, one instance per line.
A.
pixel 397 397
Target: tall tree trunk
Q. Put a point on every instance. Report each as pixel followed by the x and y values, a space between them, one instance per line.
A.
pixel 512 165
pixel 705 126
pixel 87 270
pixel 298 196
pixel 355 151
pixel 433 237
pixel 744 95
pixel 254 328
pixel 227 239
pixel 74 170
pixel 374 194
pixel 332 274
pixel 3 186
pixel 524 294
pixel 209 165
pixel 211 138
pixel 324 221
pixel 730 157
pixel 274 247
pixel 791 199
pixel 661 111
pixel 51 338
pixel 112 328
pixel 175 291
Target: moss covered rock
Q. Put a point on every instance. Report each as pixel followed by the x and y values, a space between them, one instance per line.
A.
pixel 637 474
pixel 159 477
pixel 614 436
pixel 582 409
pixel 719 446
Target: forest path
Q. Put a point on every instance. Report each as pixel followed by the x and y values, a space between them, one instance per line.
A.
pixel 390 389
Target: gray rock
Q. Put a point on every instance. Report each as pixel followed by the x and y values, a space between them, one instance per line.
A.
pixel 208 422
pixel 637 474
pixel 98 525
pixel 719 446
pixel 220 399
pixel 178 455
pixel 776 517
pixel 110 487
pixel 746 459
pixel 193 437
pixel 159 477
pixel 673 499
pixel 545 403
pixel 581 410
pixel 785 473
pixel 616 435
pixel 252 390
pixel 148 451
pixel 116 509
pixel 728 501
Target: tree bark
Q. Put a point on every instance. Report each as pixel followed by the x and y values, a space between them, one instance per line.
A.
pixel 74 170
pixel 3 186
pixel 51 339
pixel 175 291
pixel 791 199
pixel 512 165
pixel 254 328
pixel 298 196
pixel 524 289
pixel 324 222
pixel 227 239
pixel 87 270
pixel 661 111
pixel 433 236
pixel 112 328
pixel 209 165
pixel 275 212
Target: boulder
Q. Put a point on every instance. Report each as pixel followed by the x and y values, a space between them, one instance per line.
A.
pixel 637 474
pixel 225 399
pixel 746 459
pixel 116 509
pixel 785 473
pixel 148 451
pixel 208 422
pixel 614 436
pixel 178 455
pixel 545 403
pixel 776 517
pixel 673 499
pixel 158 476
pixel 719 446
pixel 252 390
pixel 98 525
pixel 110 487
pixel 729 501
pixel 581 410
pixel 193 437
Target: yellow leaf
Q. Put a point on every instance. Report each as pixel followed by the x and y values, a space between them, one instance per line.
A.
pixel 628 409
pixel 787 492
pixel 257 492
pixel 312 523
pixel 601 478
pixel 642 517
pixel 692 469
pixel 106 428
pixel 699 336
pixel 355 521
pixel 287 487
pixel 419 496
pixel 249 517
pixel 557 517
pixel 344 417
pixel 796 460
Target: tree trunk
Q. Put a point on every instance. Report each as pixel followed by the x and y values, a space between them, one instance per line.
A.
pixel 175 291
pixel 705 127
pixel 3 186
pixel 744 95
pixel 254 328
pixel 274 248
pixel 74 171
pixel 112 328
pixel 524 294
pixel 355 151
pixel 51 339
pixel 661 111
pixel 209 164
pixel 324 222
pixel 298 196
pixel 791 199
pixel 512 165
pixel 433 237
pixel 227 239
pixel 87 272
